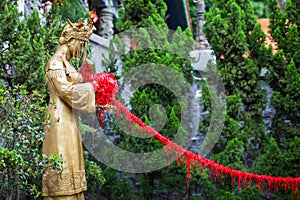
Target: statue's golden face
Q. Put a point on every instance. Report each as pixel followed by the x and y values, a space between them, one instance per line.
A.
pixel 77 48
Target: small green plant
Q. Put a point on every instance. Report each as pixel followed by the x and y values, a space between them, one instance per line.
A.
pixel 94 177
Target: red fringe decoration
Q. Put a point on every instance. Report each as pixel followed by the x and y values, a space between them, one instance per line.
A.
pixel 106 89
pixel 244 179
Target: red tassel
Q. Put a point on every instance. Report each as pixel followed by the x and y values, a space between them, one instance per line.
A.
pixel 188 168
pixel 178 157
pixel 133 45
pixel 187 189
pixel 93 132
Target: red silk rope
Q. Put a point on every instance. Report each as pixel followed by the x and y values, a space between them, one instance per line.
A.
pixel 105 86
pixel 191 159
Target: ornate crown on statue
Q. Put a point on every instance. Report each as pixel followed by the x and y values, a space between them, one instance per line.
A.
pixel 78 31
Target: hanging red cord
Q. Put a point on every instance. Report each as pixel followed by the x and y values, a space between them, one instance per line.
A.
pixel 106 88
pixel 244 179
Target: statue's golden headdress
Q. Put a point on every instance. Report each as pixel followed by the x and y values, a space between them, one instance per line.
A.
pixel 78 31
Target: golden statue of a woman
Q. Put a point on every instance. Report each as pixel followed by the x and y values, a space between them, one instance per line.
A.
pixel 69 92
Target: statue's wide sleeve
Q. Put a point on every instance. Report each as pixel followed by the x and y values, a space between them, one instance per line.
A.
pixel 79 96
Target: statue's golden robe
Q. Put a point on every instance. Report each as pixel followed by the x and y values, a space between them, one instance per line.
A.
pixel 64 138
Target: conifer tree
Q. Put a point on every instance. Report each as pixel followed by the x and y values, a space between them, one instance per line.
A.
pixel 162 49
pixel 284 73
pixel 26 47
pixel 284 79
pixel 237 43
pixel 9 23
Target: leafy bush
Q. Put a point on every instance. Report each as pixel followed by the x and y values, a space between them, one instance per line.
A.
pixel 22 163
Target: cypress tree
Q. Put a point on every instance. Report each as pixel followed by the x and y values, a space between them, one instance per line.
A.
pixel 9 23
pixel 284 79
pixel 237 43
pixel 284 73
pixel 163 48
pixel 26 47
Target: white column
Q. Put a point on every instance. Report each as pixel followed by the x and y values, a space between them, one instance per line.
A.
pixel 21 6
